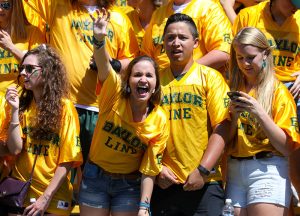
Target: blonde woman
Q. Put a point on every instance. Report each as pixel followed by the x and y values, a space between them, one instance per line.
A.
pixel 264 127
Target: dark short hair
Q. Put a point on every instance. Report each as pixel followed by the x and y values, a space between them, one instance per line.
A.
pixel 179 17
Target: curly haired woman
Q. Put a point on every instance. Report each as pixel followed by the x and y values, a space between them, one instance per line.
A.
pixel 49 128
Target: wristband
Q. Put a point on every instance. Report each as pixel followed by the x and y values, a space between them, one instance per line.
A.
pixel 145 206
pixel 14 123
pixel 203 170
pixel 98 44
pixel 116 65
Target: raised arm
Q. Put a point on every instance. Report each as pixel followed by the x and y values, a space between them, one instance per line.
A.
pixel 100 53
pixel 7 44
pixel 14 142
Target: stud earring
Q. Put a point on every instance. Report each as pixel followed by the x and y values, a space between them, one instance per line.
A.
pixel 128 90
pixel 264 64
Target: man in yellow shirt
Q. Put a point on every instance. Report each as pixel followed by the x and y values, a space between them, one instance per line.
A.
pixel 213 26
pixel 195 101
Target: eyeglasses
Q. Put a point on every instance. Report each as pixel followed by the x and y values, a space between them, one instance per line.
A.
pixel 29 69
pixel 5 5
pixel 296 3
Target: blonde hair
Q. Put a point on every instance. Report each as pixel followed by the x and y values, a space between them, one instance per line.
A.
pixel 18 21
pixel 266 80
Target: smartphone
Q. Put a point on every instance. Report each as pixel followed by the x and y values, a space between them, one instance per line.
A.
pixel 233 95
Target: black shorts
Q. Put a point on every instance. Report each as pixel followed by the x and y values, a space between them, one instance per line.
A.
pixel 174 201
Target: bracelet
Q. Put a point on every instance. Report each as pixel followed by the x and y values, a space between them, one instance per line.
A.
pixel 145 206
pixel 98 44
pixel 203 170
pixel 14 123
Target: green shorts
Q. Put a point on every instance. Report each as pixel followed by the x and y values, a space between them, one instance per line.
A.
pixel 87 120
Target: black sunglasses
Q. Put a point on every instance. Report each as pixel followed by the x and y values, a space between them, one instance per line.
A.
pixel 28 68
pixel 5 5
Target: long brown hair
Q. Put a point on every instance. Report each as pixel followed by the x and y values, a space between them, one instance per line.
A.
pixel 18 21
pixel 55 88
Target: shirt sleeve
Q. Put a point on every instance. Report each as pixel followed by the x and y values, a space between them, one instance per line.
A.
pixel 217 99
pixel 108 91
pixel 152 159
pixel 70 149
pixel 285 114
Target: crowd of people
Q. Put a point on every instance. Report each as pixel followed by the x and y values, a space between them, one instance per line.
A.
pixel 163 108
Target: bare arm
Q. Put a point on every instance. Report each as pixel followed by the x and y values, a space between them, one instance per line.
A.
pixel 216 144
pixel 213 152
pixel 100 53
pixel 146 193
pixel 7 44
pixel 14 141
pixel 43 201
pixel 228 6
pixel 214 59
pixel 124 63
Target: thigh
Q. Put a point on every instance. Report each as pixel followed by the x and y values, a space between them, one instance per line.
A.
pixel 125 196
pixel 212 196
pixel 90 211
pixel 262 209
pixel 269 182
pixel 236 189
pixel 93 191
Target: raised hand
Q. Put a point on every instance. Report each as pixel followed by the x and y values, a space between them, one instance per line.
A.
pixel 12 97
pixel 100 23
pixel 5 40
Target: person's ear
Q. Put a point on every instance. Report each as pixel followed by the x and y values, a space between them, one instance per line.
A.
pixel 196 43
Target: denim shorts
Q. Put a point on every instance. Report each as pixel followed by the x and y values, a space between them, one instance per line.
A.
pixel 258 181
pixel 99 190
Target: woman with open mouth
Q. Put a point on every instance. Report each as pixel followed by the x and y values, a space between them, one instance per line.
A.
pixel 129 138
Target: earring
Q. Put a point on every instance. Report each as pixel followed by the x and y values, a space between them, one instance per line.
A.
pixel 264 64
pixel 128 90
pixel 153 91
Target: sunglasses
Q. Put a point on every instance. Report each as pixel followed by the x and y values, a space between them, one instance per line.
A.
pixel 296 3
pixel 5 5
pixel 29 69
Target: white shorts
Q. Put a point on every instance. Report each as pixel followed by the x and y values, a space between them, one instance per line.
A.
pixel 258 181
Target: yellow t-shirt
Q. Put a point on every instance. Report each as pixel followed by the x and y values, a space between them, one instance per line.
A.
pixel 70 30
pixel 60 148
pixel 195 104
pixel 285 38
pixel 251 139
pixel 213 26
pixel 121 145
pixel 136 24
pixel 9 65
